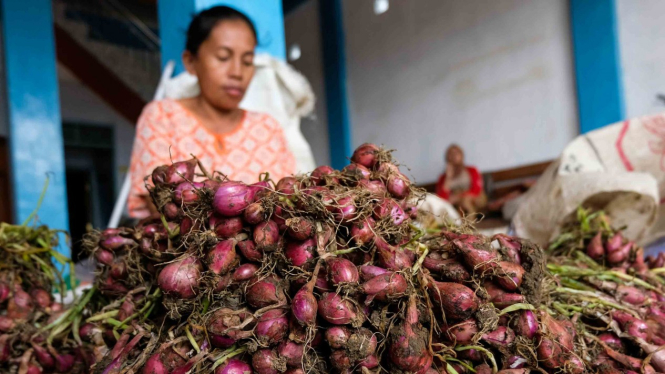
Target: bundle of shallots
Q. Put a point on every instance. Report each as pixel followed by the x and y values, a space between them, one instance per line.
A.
pixel 606 285
pixel 37 333
pixel 319 273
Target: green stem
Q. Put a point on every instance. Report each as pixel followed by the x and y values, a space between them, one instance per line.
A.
pixel 102 316
pixel 191 339
pixel 489 354
pixel 577 285
pixel 206 305
pixel 463 363
pixel 635 280
pixel 344 251
pixel 421 259
pixel 657 270
pixel 39 203
pixel 592 297
pixel 225 356
pixel 516 307
pixel 584 258
pixel 559 307
pixel 172 233
pixel 115 322
pixel 75 329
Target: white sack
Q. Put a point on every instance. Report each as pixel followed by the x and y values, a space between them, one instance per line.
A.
pixel 619 168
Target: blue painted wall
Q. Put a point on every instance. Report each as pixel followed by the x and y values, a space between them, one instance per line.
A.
pixel 597 63
pixel 35 130
pixel 175 15
pixel 334 67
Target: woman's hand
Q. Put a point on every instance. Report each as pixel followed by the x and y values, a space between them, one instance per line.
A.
pixel 449 176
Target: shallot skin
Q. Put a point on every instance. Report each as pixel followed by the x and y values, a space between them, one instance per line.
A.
pixel 181 278
pixel 234 366
pixel 457 300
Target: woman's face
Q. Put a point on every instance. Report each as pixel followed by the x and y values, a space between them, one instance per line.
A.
pixel 224 63
pixel 455 156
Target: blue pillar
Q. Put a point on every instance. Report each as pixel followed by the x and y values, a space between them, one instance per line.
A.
pixel 175 15
pixel 597 63
pixel 334 65
pixel 35 130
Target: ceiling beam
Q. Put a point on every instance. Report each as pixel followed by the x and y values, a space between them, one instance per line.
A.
pixel 100 79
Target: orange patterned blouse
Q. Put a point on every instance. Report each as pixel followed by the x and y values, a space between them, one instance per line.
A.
pixel 167 131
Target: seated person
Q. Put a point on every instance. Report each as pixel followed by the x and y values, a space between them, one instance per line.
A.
pixel 461 185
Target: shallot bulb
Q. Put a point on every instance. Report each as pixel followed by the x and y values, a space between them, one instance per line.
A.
pixel 266 361
pixel 249 250
pixel 595 248
pixel 292 352
pixel 244 272
pixel 526 324
pixel 368 272
pixel 341 270
pixel 5 291
pixel 173 174
pixel 222 257
pixel 234 366
pixel 365 155
pixel 181 278
pixel 232 198
pixel 255 213
pixel 463 332
pixel 356 172
pixel 300 228
pixel 344 210
pixel 384 287
pixel 300 252
pixel 477 253
pixel 398 185
pixel 339 311
pixel 225 227
pixel 376 188
pixel 318 175
pixel 264 292
pixel 338 336
pixel 511 275
pixel 272 327
pixel 458 301
pixel 390 208
pixel 362 232
pixel 408 343
pixel 226 326
pixel 187 193
pixel 20 305
pixel 286 186
pixel 266 235
pixel 304 305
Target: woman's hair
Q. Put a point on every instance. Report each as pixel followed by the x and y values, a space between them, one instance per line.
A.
pixel 203 23
pixel 451 148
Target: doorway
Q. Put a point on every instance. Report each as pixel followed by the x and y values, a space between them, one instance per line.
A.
pixel 89 166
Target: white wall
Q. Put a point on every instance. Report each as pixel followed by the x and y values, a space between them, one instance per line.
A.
pixel 494 76
pixel 642 52
pixel 302 27
pixel 79 104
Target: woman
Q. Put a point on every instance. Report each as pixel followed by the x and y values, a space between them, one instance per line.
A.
pixel 461 185
pixel 241 144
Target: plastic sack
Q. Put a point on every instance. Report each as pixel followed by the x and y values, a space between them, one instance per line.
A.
pixel 276 89
pixel 619 168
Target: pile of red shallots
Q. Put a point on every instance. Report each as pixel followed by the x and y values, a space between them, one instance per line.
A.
pixel 616 296
pixel 321 273
pixel 37 334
